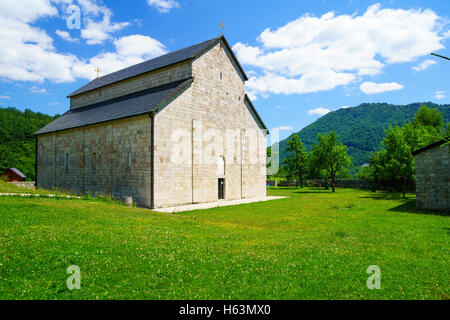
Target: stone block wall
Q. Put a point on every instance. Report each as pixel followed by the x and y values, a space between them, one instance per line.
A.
pixel 46 165
pixel 149 80
pixel 433 179
pixel 211 110
pixel 112 158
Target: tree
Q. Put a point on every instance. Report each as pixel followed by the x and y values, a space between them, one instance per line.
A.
pixel 17 142
pixel 429 126
pixel 297 161
pixel 395 163
pixel 330 156
pixel 428 117
pixel 400 161
pixel 375 173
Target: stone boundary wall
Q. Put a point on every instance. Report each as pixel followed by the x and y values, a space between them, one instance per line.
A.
pixel 318 183
pixel 272 183
pixel 345 183
pixel 24 184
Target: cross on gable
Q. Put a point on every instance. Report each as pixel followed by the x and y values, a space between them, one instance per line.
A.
pixel 221 27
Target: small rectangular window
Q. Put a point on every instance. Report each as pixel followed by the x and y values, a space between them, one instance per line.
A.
pixel 66 163
pixel 221 76
pixel 94 162
pixel 129 160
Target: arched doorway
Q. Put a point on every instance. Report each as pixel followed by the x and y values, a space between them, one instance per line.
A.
pixel 221 175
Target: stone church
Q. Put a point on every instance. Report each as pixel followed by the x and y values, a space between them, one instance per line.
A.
pixel 174 130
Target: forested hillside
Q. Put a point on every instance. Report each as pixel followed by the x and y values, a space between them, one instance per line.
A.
pixel 361 128
pixel 17 143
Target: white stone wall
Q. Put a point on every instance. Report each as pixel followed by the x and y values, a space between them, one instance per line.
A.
pixel 122 159
pixel 212 103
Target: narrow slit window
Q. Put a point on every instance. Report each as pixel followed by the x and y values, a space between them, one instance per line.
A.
pixel 129 160
pixel 66 163
pixel 221 76
pixel 94 162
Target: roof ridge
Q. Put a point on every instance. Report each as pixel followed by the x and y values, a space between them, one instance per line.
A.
pixel 97 83
pixel 161 56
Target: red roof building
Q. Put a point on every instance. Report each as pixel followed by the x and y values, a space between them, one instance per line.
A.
pixel 12 175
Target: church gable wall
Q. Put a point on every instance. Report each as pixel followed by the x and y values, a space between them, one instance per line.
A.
pixel 209 110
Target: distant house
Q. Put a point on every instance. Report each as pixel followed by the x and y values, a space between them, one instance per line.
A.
pixel 12 175
pixel 433 176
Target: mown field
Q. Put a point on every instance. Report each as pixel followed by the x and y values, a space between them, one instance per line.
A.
pixel 312 245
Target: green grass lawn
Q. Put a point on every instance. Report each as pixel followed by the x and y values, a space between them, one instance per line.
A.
pixel 312 245
pixel 11 188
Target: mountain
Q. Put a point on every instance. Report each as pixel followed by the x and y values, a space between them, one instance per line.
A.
pixel 17 143
pixel 361 128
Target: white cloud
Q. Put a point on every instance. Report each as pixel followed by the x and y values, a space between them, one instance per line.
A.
pixel 5 97
pixel 53 103
pixel 163 6
pixel 37 90
pixel 345 107
pixel 309 82
pixel 252 95
pixel 140 46
pixel 284 128
pixel 130 50
pixel 440 95
pixel 424 65
pixel 97 26
pixel 97 31
pixel 369 87
pixel 319 111
pixel 27 52
pixel 26 10
pixel 65 35
pixel 340 45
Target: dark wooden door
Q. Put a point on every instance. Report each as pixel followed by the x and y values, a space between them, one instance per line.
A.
pixel 221 188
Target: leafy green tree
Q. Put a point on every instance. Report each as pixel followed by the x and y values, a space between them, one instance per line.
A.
pixel 297 161
pixel 428 117
pixel 395 163
pixel 370 119
pixel 329 156
pixel 399 164
pixel 17 142
pixel 376 173
pixel 429 127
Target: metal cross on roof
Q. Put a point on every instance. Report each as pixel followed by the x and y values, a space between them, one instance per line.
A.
pixel 221 27
pixel 98 71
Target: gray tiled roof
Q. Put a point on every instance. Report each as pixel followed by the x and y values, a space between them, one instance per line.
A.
pixel 132 105
pixel 20 174
pixel 147 66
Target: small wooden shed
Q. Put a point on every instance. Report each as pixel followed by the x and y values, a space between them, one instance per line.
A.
pixel 12 175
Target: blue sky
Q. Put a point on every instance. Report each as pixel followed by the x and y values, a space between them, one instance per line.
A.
pixel 303 58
